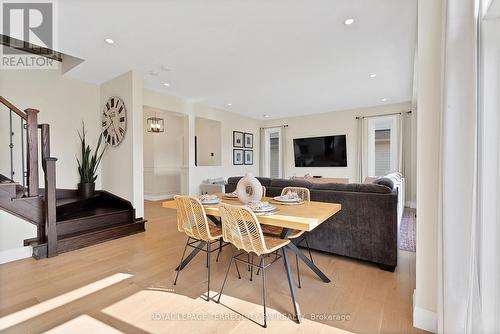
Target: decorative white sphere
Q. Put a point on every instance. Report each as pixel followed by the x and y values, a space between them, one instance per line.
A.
pixel 249 189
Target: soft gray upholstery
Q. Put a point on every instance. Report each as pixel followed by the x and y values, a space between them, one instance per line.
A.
pixel 367 226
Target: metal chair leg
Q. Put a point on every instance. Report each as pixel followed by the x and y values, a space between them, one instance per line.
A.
pixel 262 266
pixel 208 261
pixel 248 259
pixel 225 278
pixel 298 269
pixel 182 258
pixel 260 263
pixel 237 270
pixel 251 267
pixel 220 250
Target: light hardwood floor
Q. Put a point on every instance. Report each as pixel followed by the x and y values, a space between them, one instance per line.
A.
pixel 83 291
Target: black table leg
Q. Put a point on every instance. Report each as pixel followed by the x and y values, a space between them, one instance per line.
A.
pixel 214 219
pixel 291 284
pixel 195 251
pixel 305 259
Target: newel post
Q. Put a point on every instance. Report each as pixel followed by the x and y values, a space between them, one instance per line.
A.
pixel 50 205
pixel 32 150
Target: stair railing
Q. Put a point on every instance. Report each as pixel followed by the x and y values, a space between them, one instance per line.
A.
pixel 46 232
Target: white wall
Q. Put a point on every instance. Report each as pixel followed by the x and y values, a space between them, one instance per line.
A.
pixel 63 103
pixel 429 103
pixel 208 135
pixel 122 166
pixel 13 231
pixel 331 123
pixel 163 155
pixel 193 176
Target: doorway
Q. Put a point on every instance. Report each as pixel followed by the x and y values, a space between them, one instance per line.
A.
pixel 273 153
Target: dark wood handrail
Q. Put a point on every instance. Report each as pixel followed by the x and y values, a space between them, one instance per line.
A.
pixel 12 107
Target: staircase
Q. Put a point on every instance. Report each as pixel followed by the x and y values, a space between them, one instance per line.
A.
pixel 64 220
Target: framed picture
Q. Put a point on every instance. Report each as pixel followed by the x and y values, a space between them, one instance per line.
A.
pixel 237 139
pixel 248 157
pixel 237 157
pixel 248 140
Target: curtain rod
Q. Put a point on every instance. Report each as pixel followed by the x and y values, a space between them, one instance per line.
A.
pixel 276 126
pixel 396 113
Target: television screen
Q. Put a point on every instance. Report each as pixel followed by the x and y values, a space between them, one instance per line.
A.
pixel 328 151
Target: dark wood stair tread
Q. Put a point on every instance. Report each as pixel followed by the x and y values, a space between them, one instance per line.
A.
pixel 92 212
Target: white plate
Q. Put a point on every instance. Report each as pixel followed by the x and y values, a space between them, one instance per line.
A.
pixel 286 200
pixel 231 195
pixel 211 202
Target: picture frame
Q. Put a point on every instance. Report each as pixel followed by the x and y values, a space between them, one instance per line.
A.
pixel 248 140
pixel 248 157
pixel 237 157
pixel 238 139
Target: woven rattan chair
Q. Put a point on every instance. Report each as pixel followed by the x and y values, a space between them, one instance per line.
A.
pixel 242 229
pixel 305 196
pixel 192 220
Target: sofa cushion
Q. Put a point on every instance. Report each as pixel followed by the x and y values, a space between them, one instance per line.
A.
pixel 282 183
pixel 385 181
pixel 354 187
pixel 234 179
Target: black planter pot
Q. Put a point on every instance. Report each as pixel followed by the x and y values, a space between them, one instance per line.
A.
pixel 86 189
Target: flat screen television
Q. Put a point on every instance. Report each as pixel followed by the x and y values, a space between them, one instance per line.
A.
pixel 327 151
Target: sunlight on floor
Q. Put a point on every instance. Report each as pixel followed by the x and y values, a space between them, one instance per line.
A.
pixel 165 312
pixel 83 324
pixel 68 297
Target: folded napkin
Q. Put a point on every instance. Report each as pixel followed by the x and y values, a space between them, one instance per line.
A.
pixel 204 198
pixel 291 195
pixel 258 205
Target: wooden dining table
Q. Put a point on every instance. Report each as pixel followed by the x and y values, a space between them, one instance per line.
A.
pixel 304 217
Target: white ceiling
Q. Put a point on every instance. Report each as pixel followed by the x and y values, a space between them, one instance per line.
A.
pixel 275 57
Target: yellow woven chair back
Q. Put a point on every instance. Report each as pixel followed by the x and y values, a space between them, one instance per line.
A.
pixel 303 193
pixel 191 217
pixel 241 228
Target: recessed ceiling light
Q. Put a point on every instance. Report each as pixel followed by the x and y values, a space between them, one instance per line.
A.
pixel 349 21
pixel 266 116
pixel 166 84
pixel 229 104
pixel 383 99
pixel 109 41
pixel 373 75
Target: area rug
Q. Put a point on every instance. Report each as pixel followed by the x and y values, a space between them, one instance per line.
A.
pixel 407 230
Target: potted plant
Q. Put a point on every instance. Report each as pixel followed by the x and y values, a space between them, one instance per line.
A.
pixel 88 164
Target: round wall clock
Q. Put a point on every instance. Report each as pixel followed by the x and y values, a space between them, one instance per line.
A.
pixel 114 121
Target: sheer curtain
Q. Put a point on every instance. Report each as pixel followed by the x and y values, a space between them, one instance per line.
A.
pixel 466 304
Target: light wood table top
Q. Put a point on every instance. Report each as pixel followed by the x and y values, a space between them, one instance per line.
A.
pixel 304 217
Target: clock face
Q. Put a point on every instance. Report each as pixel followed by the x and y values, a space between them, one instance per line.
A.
pixel 114 121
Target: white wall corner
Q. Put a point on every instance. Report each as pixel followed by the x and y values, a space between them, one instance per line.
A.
pixel 10 255
pixel 424 319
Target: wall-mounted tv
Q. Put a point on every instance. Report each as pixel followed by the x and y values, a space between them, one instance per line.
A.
pixel 327 151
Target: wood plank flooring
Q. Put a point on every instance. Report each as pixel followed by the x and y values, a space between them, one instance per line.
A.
pixel 361 299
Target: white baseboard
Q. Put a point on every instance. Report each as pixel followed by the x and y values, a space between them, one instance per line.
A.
pixel 10 255
pixel 424 319
pixel 159 197
pixel 410 204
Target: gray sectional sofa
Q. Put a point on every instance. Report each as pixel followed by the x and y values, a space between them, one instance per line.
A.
pixel 367 226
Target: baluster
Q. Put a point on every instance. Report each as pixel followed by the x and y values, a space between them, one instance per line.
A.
pixel 32 141
pixel 50 206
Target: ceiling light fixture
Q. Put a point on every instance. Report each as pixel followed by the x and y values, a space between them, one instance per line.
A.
pixel 229 104
pixel 266 116
pixel 373 75
pixel 166 84
pixel 349 21
pixel 109 41
pixel 383 99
